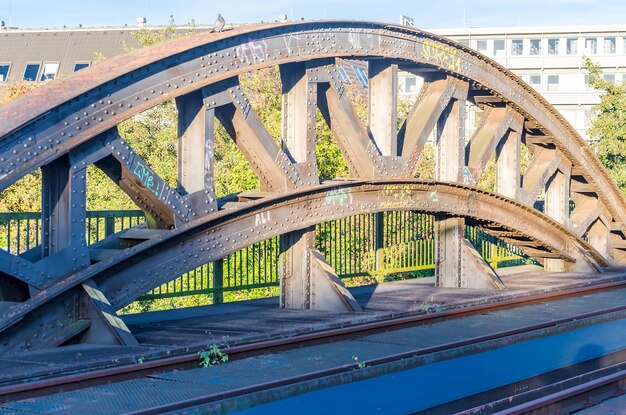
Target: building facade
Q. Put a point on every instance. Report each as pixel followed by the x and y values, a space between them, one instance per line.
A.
pixel 550 59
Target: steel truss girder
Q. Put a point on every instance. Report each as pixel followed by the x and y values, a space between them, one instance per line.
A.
pixel 493 128
pixel 123 277
pixel 49 122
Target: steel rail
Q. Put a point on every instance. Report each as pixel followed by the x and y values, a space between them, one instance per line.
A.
pixel 541 404
pixel 95 376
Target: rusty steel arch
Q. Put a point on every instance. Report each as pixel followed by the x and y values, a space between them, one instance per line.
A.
pixel 71 124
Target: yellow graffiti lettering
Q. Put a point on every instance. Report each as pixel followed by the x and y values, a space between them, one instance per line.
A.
pixel 441 55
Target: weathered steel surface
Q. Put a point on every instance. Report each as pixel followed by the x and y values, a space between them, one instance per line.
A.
pixel 71 124
pixel 48 123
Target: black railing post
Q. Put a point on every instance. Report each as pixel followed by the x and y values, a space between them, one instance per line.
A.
pixel 218 282
pixel 379 241
pixel 109 226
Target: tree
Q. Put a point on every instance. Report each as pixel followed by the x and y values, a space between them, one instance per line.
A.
pixel 608 129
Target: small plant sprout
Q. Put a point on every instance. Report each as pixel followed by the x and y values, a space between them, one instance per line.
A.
pixel 359 365
pixel 213 356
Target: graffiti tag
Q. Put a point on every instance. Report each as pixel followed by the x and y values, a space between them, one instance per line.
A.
pixel 146 177
pixel 441 55
pixel 251 52
pixel 338 197
pixel 261 218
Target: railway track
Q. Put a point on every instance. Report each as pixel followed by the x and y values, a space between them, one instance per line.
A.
pixel 90 377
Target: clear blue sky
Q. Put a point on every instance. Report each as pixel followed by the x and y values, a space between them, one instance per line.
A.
pixel 427 14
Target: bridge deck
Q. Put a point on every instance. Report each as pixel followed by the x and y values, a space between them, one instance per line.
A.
pixel 132 395
pixel 167 333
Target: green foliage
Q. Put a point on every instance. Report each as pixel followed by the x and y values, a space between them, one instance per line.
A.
pixel 359 364
pixel 24 195
pixel 213 356
pixel 608 130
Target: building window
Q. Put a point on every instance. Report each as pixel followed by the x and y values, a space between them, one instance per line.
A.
pixel 591 45
pixel 360 74
pixel 553 46
pixel 4 72
pixel 31 72
pixel 517 47
pixel 609 45
pixel 535 81
pixel 590 116
pixel 572 46
pixel 498 47
pixel 570 115
pixel 553 82
pixel 588 86
pixel 609 77
pixel 49 71
pixel 481 46
pixel 78 66
pixel 535 46
pixel 344 76
pixel 410 85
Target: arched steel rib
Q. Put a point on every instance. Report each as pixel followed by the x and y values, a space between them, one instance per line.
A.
pixel 127 275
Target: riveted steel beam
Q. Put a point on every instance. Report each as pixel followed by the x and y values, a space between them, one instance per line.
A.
pixel 63 216
pixel 132 272
pixel 557 207
pixel 299 127
pixel 599 236
pixel 508 165
pixel 587 210
pixel 297 288
pixel 423 116
pixel 164 206
pixel 22 270
pixel 361 154
pixel 383 105
pixel 271 164
pixel 492 130
pixel 196 142
pixel 49 123
pixel 335 202
pixel 49 325
pixel 542 166
pixel 106 327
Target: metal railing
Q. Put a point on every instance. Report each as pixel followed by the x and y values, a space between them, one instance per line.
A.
pixel 21 231
pixel 376 245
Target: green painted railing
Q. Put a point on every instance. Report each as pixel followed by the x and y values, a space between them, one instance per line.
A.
pixel 372 246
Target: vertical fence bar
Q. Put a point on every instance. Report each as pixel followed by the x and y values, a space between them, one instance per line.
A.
pixel 218 281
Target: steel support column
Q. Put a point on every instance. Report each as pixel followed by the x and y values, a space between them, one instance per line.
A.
pixel 449 161
pixel 457 264
pixel 306 282
pixel 599 236
pixel 196 148
pixel 295 268
pixel 508 171
pixel 557 207
pixel 63 217
pixel 299 98
pixel 383 104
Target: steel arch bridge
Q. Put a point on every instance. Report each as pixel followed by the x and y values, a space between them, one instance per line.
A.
pixel 65 290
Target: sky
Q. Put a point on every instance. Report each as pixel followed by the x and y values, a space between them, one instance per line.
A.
pixel 427 14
